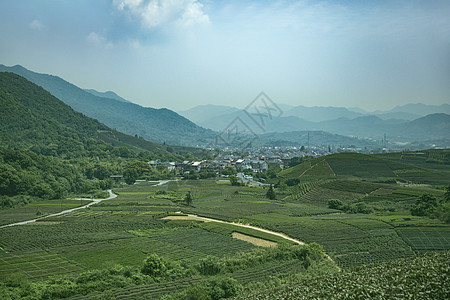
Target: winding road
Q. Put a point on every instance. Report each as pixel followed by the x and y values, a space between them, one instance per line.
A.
pixel 184 217
pixel 111 196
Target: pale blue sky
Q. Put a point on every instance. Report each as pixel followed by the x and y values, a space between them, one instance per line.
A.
pixel 182 53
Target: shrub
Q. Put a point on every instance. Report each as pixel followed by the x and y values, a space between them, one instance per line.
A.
pixel 209 265
pixel 154 266
pixel 335 204
pixel 425 205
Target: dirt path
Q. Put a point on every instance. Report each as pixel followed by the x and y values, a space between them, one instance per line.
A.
pixel 198 218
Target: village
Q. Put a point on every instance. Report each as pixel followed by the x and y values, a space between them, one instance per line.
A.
pixel 251 160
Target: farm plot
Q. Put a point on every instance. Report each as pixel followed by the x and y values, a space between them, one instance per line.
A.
pixel 37 209
pixel 361 167
pixel 321 195
pixel 36 266
pixel 229 210
pixel 228 229
pixel 349 242
pixel 352 186
pixel 424 277
pixel 147 245
pixel 426 239
pixel 205 242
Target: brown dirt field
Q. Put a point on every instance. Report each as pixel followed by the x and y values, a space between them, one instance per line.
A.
pixel 253 240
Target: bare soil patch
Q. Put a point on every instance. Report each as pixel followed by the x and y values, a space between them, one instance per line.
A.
pixel 253 240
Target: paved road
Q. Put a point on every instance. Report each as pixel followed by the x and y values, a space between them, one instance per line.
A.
pixel 111 196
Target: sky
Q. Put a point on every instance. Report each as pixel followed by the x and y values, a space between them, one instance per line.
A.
pixel 181 53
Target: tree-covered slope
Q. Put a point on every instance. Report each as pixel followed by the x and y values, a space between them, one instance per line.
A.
pixel 158 125
pixel 48 150
pixel 31 117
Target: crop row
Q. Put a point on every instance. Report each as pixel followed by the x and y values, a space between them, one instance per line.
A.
pixel 36 266
pixel 206 242
pixel 321 195
pixel 352 186
pixel 228 229
pixel 302 188
pixel 424 240
pixel 349 239
pixel 425 277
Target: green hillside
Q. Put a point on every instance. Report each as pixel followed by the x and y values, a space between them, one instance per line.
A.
pixel 32 118
pixel 157 125
pixel 363 167
pixel 48 150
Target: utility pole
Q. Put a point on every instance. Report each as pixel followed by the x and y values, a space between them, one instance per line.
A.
pixel 308 140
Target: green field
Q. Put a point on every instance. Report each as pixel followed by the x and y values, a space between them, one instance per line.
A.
pixel 99 251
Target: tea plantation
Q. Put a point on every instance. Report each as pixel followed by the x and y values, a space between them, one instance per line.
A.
pixel 352 211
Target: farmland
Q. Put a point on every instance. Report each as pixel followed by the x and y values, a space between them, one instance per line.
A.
pixel 100 251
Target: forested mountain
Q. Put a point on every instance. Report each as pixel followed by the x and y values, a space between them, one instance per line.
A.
pixel 47 149
pixel 158 125
pixel 32 117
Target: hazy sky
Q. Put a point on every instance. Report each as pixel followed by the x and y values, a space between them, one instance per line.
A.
pixel 182 53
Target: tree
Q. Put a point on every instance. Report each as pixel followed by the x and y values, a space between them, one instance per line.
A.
pixel 335 204
pixel 447 194
pixel 292 181
pixel 154 266
pixel 271 193
pixel 210 265
pixel 234 180
pixel 425 205
pixel 188 198
pixel 130 176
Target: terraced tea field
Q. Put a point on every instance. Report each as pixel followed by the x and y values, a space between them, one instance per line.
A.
pixel 146 219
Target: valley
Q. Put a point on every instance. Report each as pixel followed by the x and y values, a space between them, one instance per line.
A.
pixel 197 243
pixel 206 150
pixel 88 212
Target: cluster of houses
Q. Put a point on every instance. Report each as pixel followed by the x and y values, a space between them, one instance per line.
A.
pixel 216 165
pixel 256 163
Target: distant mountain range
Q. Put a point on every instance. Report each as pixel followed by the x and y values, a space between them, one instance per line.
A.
pixel 396 124
pixel 420 124
pixel 204 114
pixel 158 125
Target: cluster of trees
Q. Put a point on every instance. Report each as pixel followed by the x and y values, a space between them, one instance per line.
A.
pixel 353 208
pixel 203 174
pixel 49 150
pixel 24 172
pixel 428 205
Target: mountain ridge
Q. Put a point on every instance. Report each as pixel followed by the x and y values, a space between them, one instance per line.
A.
pixel 158 125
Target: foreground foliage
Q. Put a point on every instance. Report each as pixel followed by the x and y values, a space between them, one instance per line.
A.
pixel 424 277
pixel 157 270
